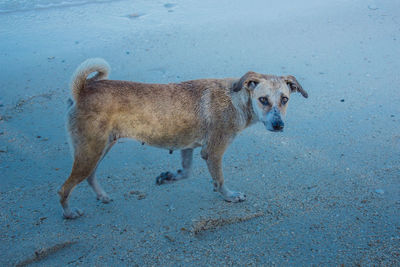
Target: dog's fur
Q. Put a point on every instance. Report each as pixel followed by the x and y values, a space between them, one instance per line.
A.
pixel 206 113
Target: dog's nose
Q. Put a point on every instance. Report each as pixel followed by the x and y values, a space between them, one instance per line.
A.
pixel 278 125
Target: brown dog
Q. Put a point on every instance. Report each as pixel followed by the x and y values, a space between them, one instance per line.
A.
pixel 205 113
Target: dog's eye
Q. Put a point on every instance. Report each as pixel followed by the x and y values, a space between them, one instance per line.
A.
pixel 284 100
pixel 263 100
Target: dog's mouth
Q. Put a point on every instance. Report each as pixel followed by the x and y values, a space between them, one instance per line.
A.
pixel 273 130
pixel 274 127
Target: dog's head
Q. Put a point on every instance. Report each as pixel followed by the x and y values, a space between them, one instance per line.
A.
pixel 270 96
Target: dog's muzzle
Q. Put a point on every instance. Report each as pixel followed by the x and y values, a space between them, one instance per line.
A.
pixel 274 121
pixel 278 125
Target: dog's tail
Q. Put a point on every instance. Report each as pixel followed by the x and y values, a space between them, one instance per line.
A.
pixel 80 75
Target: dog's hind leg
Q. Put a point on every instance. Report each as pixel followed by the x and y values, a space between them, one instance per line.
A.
pixel 86 158
pixel 92 180
pixel 185 172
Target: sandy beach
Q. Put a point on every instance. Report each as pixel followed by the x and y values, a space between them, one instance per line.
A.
pixel 325 191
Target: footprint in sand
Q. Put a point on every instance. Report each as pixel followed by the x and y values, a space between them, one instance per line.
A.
pixel 134 15
pixel 169 5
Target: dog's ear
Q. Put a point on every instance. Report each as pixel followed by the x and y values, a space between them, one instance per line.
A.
pixel 248 81
pixel 294 85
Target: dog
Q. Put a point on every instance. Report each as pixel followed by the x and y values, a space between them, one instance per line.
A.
pixel 206 113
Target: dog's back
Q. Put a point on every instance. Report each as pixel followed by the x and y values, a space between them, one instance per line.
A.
pixel 158 114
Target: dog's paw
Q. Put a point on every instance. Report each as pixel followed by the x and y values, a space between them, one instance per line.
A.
pixel 72 214
pixel 169 177
pixel 233 196
pixel 164 177
pixel 104 199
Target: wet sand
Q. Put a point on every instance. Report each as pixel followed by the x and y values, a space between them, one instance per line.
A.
pixel 326 191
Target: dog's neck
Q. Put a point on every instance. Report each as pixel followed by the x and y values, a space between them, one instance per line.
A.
pixel 245 112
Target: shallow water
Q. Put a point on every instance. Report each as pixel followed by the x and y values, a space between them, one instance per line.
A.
pixel 9 6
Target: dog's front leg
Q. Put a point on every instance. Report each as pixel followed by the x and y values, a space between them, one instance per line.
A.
pixel 214 164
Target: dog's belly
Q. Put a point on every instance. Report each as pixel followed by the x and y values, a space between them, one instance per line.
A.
pixel 168 142
pixel 175 134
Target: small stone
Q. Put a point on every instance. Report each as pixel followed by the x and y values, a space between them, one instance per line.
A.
pixel 141 196
pixel 341 100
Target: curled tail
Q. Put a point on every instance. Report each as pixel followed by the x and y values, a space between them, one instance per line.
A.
pixel 80 75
